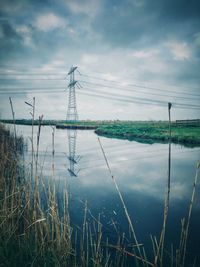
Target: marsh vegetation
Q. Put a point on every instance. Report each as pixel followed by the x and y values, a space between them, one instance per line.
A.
pixel 40 225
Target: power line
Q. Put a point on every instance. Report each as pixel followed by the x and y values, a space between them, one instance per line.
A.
pixel 31 88
pixel 32 92
pixel 31 74
pixel 148 93
pixel 132 101
pixel 148 87
pixel 116 159
pixel 14 72
pixel 144 99
pixel 133 90
pixel 127 152
pixel 138 158
pixel 31 79
pixel 62 88
pixel 85 75
pixel 110 148
pixel 132 160
pixel 139 101
pixel 139 86
pixel 106 95
pixel 118 97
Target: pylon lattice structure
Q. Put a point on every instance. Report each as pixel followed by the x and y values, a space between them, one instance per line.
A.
pixel 72 116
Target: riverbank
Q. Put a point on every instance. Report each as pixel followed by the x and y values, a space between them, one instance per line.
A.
pixel 152 132
pixel 59 124
pixel 142 131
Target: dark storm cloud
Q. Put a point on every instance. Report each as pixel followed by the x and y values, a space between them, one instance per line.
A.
pixel 8 33
pixel 125 23
pixel 10 40
pixel 39 29
pixel 119 23
pixel 180 9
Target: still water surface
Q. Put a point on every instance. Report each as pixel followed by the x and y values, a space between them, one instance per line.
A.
pixel 141 173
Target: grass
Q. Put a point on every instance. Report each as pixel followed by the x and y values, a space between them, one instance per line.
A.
pixel 35 226
pixel 29 235
pixel 151 132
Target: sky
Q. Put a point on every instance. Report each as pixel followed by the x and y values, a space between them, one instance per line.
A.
pixel 133 57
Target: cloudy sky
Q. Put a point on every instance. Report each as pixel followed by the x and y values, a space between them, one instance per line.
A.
pixel 133 57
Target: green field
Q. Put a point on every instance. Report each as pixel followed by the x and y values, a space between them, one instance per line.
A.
pixel 143 131
pixel 151 132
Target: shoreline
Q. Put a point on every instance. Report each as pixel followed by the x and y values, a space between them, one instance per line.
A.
pixel 153 132
pixel 140 131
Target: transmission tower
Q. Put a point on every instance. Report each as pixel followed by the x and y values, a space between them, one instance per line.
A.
pixel 72 116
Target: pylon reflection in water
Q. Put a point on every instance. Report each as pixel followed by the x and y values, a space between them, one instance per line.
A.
pixel 73 158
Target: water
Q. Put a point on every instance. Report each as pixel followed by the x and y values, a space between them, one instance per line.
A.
pixel 141 174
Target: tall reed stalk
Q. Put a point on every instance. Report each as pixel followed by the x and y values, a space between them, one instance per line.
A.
pixel 185 237
pixel 166 204
pixel 125 210
pixel 53 151
pixel 13 116
pixel 32 132
pixel 32 135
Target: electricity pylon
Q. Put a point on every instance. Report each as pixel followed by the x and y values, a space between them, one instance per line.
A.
pixel 72 116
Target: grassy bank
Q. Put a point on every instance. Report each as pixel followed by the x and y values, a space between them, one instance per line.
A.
pixel 36 122
pixel 59 123
pixel 151 132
